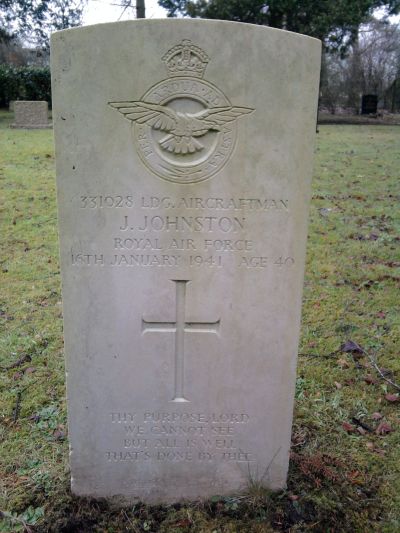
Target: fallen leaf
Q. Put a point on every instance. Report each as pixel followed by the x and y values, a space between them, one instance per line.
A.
pixel 370 379
pixel 293 497
pixel 185 522
pixel 343 363
pixel 351 346
pixel 381 314
pixel 59 435
pixel 30 370
pixel 376 416
pixel 392 397
pixel 347 427
pixel 383 428
pixel 370 445
pixel 361 430
pixel 352 476
pixel 338 385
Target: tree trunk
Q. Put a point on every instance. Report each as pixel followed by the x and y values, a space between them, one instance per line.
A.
pixel 140 9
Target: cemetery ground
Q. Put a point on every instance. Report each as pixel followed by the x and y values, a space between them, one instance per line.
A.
pixel 345 459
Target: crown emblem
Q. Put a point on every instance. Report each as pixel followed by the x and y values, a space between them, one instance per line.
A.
pixel 186 59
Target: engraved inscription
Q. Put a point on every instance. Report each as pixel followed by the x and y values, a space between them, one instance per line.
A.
pixel 179 437
pixel 106 201
pixel 195 203
pixel 188 232
pixel 180 223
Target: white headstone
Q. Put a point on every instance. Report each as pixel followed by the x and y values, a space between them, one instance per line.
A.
pixel 184 158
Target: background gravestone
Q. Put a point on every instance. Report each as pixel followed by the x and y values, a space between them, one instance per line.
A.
pixel 183 167
pixel 30 114
pixel 369 104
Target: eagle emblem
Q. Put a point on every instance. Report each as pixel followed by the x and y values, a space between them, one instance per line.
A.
pixel 184 128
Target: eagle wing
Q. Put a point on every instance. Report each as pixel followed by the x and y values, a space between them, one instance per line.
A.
pixel 157 116
pixel 221 115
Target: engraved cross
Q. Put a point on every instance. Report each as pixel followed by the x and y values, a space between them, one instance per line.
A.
pixel 180 326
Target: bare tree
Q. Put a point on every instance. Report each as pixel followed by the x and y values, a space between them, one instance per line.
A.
pixel 379 55
pixel 138 8
pixel 371 66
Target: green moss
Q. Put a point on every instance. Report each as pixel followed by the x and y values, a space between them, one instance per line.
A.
pixel 338 481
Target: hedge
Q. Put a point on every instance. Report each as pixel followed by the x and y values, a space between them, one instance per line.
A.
pixel 24 83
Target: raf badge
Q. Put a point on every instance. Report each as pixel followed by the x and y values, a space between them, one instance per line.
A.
pixel 184 127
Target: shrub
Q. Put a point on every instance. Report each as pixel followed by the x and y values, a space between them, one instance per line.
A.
pixel 24 83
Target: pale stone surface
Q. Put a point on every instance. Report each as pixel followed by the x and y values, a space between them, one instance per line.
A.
pixel 182 249
pixel 30 114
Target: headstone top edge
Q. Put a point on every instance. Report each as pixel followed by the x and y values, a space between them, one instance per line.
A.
pixel 182 22
pixel 30 101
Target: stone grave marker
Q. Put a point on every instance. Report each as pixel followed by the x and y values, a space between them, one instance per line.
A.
pixel 184 159
pixel 30 114
pixel 369 104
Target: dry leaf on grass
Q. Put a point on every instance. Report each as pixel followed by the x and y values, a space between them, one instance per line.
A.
pixel 383 428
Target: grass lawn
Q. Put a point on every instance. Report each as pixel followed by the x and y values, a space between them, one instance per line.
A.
pixel 345 464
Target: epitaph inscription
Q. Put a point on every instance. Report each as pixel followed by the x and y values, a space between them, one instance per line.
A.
pixel 172 436
pixel 183 175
